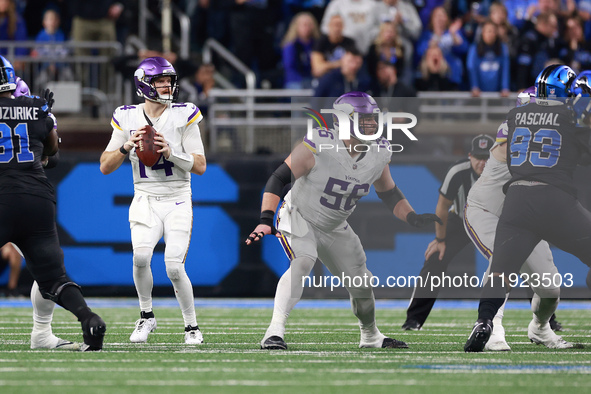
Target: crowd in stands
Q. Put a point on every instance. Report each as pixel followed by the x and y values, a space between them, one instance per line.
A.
pixel 435 45
pixel 394 47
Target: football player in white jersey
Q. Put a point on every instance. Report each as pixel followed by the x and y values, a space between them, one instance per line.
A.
pixel 483 208
pixel 313 218
pixel 162 204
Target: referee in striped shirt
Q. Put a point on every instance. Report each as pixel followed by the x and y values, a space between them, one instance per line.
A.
pixel 450 238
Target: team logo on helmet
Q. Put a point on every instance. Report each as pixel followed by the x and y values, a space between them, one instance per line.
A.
pixel 554 82
pixel 148 71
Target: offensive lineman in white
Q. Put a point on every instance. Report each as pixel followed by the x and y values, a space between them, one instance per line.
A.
pixel 483 208
pixel 162 203
pixel 313 217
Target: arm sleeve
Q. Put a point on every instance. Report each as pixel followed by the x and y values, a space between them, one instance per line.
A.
pixel 423 43
pixel 472 66
pixel 289 59
pixel 331 9
pixel 118 138
pixel 505 68
pixel 411 25
pixel 192 140
pixel 119 135
pixel 460 49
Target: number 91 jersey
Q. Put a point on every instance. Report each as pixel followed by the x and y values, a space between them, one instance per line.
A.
pixel 179 126
pixel 544 144
pixel 327 195
pixel 24 127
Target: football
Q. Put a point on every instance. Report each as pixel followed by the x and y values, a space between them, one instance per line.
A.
pixel 146 150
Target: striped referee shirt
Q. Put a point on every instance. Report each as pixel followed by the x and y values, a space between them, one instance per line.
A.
pixel 458 181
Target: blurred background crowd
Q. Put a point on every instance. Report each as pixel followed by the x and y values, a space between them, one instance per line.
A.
pixel 445 52
pixel 386 47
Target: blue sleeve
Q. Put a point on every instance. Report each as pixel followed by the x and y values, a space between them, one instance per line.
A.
pixel 423 43
pixel 41 36
pixel 21 35
pixel 461 49
pixel 60 36
pixel 472 64
pixel 323 86
pixel 289 57
pixel 505 68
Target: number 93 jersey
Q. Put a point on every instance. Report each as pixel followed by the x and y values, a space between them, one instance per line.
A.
pixel 179 126
pixel 544 144
pixel 327 195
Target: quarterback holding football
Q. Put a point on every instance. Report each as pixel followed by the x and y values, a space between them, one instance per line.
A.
pixel 162 204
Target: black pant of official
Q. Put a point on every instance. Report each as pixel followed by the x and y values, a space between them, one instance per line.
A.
pixel 423 298
pixel 530 214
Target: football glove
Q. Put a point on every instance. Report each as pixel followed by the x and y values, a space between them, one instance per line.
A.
pixel 422 220
pixel 48 96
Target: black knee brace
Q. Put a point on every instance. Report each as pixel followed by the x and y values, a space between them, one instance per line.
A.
pixel 52 291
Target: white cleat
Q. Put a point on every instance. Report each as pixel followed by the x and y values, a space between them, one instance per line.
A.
pixel 142 328
pixel 497 342
pixel 46 340
pixel 373 342
pixel 193 336
pixel 545 336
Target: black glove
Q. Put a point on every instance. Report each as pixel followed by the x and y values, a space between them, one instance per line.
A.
pixel 422 220
pixel 48 96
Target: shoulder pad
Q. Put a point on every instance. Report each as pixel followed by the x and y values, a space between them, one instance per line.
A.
pixel 382 147
pixel 319 135
pixel 35 101
pixel 188 113
pixel 502 133
pixel 120 114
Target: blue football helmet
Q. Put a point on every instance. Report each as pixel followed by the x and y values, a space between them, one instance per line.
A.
pixel 7 76
pixel 580 89
pixel 581 85
pixel 554 82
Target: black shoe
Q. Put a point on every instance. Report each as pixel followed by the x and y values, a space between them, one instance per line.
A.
pixel 93 332
pixel 393 344
pixel 411 325
pixel 479 336
pixel 555 325
pixel 274 343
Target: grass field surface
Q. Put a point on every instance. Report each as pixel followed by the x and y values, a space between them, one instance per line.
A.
pixel 323 355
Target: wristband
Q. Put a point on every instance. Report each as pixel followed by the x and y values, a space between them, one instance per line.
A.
pixel 123 150
pixel 440 240
pixel 267 217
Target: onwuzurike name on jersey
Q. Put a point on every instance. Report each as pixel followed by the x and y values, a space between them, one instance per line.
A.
pixel 19 113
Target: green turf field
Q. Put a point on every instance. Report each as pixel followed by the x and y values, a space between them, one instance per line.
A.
pixel 323 356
